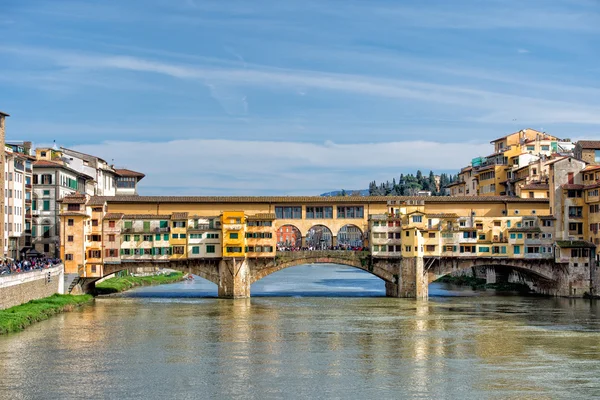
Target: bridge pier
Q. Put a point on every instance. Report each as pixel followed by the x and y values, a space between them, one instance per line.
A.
pixel 490 275
pixel 234 278
pixel 412 282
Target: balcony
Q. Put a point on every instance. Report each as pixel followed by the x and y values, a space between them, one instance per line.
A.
pixel 28 186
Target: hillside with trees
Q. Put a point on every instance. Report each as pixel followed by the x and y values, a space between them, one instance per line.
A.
pixel 410 185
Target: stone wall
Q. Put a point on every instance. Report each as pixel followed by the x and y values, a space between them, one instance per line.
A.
pixel 20 288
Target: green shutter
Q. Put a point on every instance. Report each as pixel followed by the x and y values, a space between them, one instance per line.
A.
pixel 128 224
pixel 166 236
pixel 146 226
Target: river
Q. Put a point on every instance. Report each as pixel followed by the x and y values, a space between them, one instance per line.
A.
pixel 310 332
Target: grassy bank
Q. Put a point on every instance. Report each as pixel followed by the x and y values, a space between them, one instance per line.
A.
pixel 120 284
pixel 477 283
pixel 17 318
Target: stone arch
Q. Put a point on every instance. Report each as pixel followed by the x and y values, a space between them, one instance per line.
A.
pixel 350 235
pixel 207 269
pixel 319 237
pixel 348 258
pixel 289 236
pixel 542 272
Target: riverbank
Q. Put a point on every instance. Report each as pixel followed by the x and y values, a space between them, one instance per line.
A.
pixel 477 283
pixel 121 284
pixel 19 317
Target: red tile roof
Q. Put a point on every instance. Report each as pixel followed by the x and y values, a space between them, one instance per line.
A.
pixel 572 186
pixel 538 186
pixel 97 200
pixel 129 173
pixel 5 114
pixel 589 144
pixel 75 198
pixel 46 163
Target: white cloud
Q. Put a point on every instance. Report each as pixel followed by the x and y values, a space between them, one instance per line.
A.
pixel 522 51
pixel 256 167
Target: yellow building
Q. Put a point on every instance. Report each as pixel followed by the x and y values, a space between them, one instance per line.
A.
pixel 234 232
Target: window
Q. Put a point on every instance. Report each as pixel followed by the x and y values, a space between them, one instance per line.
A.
pixel 319 212
pixel 291 212
pixel 157 237
pixel 233 235
pixel 517 249
pixel 234 249
pixel 545 147
pixel 575 212
pixel 175 236
pixel 128 224
pixel 70 222
pixel 210 248
pixel 70 238
pixel 126 238
pixel 46 205
pixel 596 155
pixel 350 212
pixel 146 226
pixel 212 235
pixel 111 253
pixel 417 218
pixel 94 222
pixel 147 238
pixel 430 248
pixel 469 235
pixel 46 193
pixel 178 224
pixel 94 254
pixel 166 236
pixel 136 238
pixel 182 235
pixel 69 257
pixel 530 148
pixel 111 238
pixel 196 250
pixel 497 223
pixel 483 249
pixel 432 234
pixel 179 250
pixel 111 224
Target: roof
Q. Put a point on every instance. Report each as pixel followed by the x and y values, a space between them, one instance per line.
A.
pixel 75 198
pixel 96 200
pixel 180 215
pixel 55 164
pixel 442 215
pixel 538 186
pixel 73 214
pixel 526 229
pixel 4 114
pixel 261 217
pixel 113 216
pixel 572 186
pixel 546 217
pixel 84 156
pixel 591 168
pixel 129 173
pixel 574 244
pixel 589 144
pixel 146 216
pixel 46 163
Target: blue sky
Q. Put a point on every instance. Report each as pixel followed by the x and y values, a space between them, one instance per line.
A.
pixel 295 97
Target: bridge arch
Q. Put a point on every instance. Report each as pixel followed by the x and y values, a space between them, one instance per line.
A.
pixel 319 237
pixel 289 236
pixel 359 260
pixel 542 272
pixel 350 235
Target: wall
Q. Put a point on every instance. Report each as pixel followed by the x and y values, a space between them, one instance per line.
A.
pixel 21 288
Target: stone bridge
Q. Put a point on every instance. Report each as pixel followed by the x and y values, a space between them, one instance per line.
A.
pixel 403 277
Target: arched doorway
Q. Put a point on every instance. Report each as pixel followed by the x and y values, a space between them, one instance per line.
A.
pixel 289 238
pixel 319 237
pixel 350 236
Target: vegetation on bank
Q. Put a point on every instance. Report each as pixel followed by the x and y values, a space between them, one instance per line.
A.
pixel 19 317
pixel 478 283
pixel 123 283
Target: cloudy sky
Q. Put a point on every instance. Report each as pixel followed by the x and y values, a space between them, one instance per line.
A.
pixel 298 96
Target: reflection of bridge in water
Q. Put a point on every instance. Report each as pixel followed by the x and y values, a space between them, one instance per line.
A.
pixel 403 276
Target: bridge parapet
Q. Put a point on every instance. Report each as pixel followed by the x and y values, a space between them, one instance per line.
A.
pixel 354 257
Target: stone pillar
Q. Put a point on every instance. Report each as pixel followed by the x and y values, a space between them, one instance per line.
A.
pixel 334 240
pixel 490 275
pixel 412 282
pixel 303 241
pixel 234 278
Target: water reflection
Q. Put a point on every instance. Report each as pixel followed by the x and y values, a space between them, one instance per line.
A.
pixel 469 347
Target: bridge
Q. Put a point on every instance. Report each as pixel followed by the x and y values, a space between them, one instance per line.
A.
pixel 403 276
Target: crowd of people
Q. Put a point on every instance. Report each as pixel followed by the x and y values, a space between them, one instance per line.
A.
pixel 343 247
pixel 9 266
